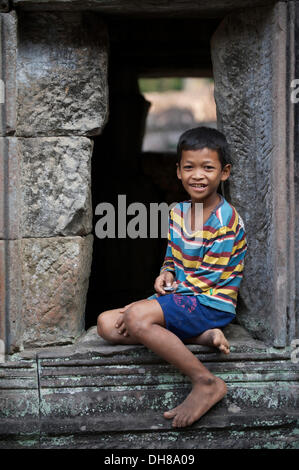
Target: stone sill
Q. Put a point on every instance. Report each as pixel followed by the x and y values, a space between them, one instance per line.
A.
pixel 95 395
pixel 242 346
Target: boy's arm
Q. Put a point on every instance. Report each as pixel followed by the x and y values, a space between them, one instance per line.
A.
pixel 223 260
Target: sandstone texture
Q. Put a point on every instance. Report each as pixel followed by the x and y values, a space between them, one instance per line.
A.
pixel 61 74
pixel 55 281
pixel 244 60
pixel 55 186
pixel 45 188
pixel 8 30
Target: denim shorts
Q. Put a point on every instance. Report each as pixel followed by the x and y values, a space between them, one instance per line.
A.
pixel 186 317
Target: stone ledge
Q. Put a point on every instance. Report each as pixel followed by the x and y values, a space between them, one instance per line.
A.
pixel 96 395
pixel 90 345
pixel 153 8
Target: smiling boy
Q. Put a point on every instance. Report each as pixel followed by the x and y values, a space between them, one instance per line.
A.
pixel 205 273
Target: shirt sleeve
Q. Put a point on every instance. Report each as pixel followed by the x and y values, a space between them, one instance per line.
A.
pixel 222 261
pixel 168 264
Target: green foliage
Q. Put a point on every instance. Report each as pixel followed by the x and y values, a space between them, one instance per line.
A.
pixel 160 84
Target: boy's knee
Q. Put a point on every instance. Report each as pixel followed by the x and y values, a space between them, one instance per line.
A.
pixel 134 320
pixel 102 327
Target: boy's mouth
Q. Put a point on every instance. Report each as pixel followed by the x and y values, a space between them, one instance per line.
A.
pixel 199 187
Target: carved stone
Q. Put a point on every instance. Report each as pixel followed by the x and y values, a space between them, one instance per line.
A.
pixel 55 281
pixel 55 186
pixel 96 395
pixel 146 7
pixel 246 49
pixel 45 190
pixel 8 29
pixel 61 74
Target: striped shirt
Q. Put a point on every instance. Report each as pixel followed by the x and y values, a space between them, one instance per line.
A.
pixel 208 263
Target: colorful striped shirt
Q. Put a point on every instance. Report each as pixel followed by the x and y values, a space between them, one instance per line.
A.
pixel 209 263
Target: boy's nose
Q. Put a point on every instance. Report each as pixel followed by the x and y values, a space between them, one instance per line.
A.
pixel 197 174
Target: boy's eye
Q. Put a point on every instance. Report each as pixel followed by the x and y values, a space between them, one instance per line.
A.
pixel 209 167
pixel 187 167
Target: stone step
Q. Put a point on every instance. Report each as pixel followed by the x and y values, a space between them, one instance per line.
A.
pixel 65 396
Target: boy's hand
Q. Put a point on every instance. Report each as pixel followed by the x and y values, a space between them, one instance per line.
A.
pixel 120 325
pixel 165 279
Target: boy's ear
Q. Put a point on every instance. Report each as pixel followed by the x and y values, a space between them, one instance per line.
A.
pixel 225 172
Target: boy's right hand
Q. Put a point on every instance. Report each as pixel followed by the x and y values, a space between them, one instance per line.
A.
pixel 165 279
pixel 120 324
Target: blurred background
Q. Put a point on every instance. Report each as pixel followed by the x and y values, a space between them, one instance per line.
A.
pixel 176 104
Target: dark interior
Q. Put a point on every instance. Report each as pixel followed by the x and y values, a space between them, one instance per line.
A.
pixel 124 270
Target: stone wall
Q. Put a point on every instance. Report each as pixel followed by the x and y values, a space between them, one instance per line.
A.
pixel 55 72
pixel 249 52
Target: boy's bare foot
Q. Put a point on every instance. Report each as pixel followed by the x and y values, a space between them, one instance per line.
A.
pixel 202 397
pixel 213 337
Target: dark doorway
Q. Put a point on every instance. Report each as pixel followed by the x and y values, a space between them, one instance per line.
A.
pixel 124 269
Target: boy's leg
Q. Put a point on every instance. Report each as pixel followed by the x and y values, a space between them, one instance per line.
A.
pixel 145 323
pixel 107 330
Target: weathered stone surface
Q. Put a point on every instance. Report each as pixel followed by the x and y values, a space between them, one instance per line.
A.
pixel 97 395
pixel 128 387
pixel 19 401
pixel 55 186
pixel 152 7
pixel 8 29
pixel 2 294
pixel 45 188
pixel 11 324
pixel 294 47
pixel 55 282
pixel 249 60
pixel 61 74
pixel 10 215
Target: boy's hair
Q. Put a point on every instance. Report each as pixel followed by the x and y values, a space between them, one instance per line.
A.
pixel 201 137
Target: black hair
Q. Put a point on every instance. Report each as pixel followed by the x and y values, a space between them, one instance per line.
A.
pixel 201 137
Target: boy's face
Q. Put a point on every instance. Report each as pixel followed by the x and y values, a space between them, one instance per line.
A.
pixel 201 173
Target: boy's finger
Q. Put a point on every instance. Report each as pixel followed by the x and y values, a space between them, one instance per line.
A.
pixel 159 289
pixel 121 329
pixel 159 286
pixel 168 279
pixel 119 322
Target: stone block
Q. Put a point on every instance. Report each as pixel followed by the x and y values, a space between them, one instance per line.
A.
pixel 249 63
pixel 61 74
pixel 55 187
pixel 11 325
pixel 45 187
pixel 10 214
pixel 8 42
pixel 175 8
pixel 55 282
pixel 19 400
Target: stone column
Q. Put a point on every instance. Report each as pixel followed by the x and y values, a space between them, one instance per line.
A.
pixel 249 53
pixel 61 81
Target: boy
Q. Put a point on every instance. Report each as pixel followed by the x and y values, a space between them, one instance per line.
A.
pixel 205 278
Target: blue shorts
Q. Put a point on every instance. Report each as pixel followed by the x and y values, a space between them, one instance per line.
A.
pixel 186 317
